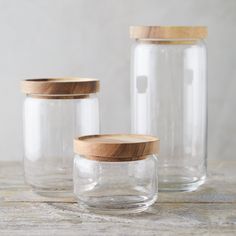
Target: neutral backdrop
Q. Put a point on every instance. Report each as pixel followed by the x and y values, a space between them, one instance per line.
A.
pixel 51 38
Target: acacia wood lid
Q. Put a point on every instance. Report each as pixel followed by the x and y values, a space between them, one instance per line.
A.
pixel 60 86
pixel 168 32
pixel 116 147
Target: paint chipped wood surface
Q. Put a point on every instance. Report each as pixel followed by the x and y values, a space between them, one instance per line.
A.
pixel 209 211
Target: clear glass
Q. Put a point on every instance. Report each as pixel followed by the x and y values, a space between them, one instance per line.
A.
pixel 116 187
pixel 169 100
pixel 50 125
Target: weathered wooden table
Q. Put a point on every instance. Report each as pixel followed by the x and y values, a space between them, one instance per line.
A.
pixel 209 211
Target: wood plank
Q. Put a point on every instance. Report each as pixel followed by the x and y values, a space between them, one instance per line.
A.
pixel 69 219
pixel 219 187
pixel 210 210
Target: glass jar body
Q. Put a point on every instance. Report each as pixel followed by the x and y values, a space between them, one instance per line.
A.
pixel 117 187
pixel 49 128
pixel 169 99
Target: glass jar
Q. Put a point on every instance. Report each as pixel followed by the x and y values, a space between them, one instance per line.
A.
pixel 55 112
pixel 116 173
pixel 169 98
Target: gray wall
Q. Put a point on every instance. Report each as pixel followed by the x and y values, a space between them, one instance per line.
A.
pixel 42 38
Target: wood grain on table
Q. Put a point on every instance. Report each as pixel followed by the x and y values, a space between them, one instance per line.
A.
pixel 209 211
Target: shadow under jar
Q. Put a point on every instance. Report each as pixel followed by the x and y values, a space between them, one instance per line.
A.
pixel 55 111
pixel 116 173
pixel 169 98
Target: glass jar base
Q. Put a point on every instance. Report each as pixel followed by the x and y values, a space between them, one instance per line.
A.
pixel 180 184
pixel 55 187
pixel 53 193
pixel 116 204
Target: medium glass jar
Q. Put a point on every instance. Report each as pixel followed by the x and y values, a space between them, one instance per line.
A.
pixel 169 98
pixel 55 111
pixel 116 173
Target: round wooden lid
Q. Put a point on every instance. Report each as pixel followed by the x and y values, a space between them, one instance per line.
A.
pixel 116 147
pixel 60 86
pixel 168 32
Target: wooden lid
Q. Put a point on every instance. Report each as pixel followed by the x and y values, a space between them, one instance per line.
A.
pixel 168 32
pixel 116 147
pixel 60 86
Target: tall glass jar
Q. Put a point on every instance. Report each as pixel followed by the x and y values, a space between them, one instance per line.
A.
pixel 169 99
pixel 55 111
pixel 116 173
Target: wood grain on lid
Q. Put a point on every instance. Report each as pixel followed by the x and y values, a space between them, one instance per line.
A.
pixel 60 86
pixel 168 32
pixel 116 147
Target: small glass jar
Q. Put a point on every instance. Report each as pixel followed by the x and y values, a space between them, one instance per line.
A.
pixel 116 173
pixel 55 112
pixel 169 98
